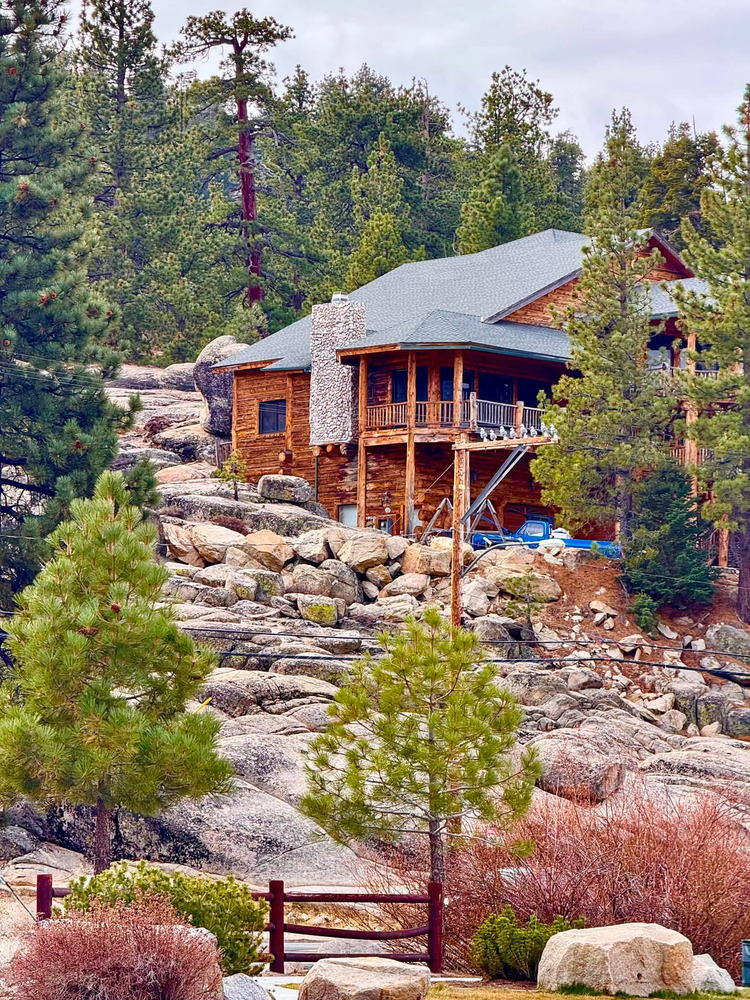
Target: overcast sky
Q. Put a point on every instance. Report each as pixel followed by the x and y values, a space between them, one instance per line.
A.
pixel 667 60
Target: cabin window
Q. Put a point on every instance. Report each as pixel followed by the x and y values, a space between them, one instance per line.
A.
pixel 529 389
pixel 495 388
pixel 446 384
pixel 400 385
pixel 272 416
pixel 347 514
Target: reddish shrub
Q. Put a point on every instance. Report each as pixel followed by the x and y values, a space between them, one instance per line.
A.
pixel 137 952
pixel 233 523
pixel 685 865
pixel 155 425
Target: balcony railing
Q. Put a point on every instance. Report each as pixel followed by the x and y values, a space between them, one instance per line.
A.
pixel 679 453
pixel 503 420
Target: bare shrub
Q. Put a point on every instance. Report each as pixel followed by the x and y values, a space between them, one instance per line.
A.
pixel 155 425
pixel 683 864
pixel 140 951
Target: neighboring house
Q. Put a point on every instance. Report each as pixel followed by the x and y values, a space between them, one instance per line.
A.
pixel 366 397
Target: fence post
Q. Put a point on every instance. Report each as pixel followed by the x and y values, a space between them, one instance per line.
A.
pixel 44 897
pixel 435 921
pixel 276 919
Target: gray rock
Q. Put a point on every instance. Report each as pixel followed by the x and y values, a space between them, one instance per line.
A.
pixel 344 581
pixel 190 441
pixel 729 639
pixel 16 840
pixel 138 377
pixel 248 692
pixel 582 679
pixel 326 668
pixel 311 580
pixel 158 457
pixel 407 583
pixel 216 387
pixel 710 977
pixel 737 722
pixel 364 550
pixel 256 585
pixel 242 987
pixel 180 376
pixel 318 609
pixel 314 717
pixel 533 686
pixel 312 546
pixel 289 489
pixel 580 768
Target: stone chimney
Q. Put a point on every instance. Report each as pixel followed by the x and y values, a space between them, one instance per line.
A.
pixel 333 386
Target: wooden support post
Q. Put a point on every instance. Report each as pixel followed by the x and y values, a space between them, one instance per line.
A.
pixel 364 369
pixel 411 420
pixel 435 923
pixel 519 416
pixel 361 483
pixel 722 556
pixel 44 897
pixel 276 920
pixel 458 384
pixel 460 483
pixel 691 446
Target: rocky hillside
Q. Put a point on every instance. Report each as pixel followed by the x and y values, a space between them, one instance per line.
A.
pixel 287 598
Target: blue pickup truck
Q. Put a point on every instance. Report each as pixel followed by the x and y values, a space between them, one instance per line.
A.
pixel 534 531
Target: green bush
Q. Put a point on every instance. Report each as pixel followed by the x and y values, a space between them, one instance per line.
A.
pixel 223 906
pixel 505 949
pixel 643 609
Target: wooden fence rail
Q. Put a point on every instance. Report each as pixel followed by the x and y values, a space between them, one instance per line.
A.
pixel 277 926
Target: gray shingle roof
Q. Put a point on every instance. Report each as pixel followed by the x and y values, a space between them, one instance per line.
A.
pixel 475 287
pixel 443 329
pixel 663 305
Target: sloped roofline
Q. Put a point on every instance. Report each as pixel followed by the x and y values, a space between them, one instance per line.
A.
pixel 663 244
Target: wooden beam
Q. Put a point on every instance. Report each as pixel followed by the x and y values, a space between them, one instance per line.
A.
pixel 458 381
pixel 361 483
pixel 460 482
pixel 722 556
pixel 364 370
pixel 235 411
pixel 411 423
pixel 466 445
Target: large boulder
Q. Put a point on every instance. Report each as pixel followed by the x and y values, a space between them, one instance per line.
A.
pixel 424 559
pixel 372 978
pixel 180 544
pixel 637 959
pixel 510 581
pixel 532 686
pixel 248 692
pixel 312 546
pixel 185 473
pixel 126 458
pixel 216 387
pixel 190 441
pixel 318 609
pixel 289 489
pixel 180 376
pixel 575 766
pixel 344 581
pixel 364 550
pixel 728 639
pixel 269 549
pixel 407 583
pixel 212 541
pixel 311 580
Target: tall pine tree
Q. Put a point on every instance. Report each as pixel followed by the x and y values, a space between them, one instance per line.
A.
pixel 614 417
pixel 721 321
pixel 94 713
pixel 57 428
pixel 495 211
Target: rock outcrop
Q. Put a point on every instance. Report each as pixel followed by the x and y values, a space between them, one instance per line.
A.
pixel 215 386
pixel 364 979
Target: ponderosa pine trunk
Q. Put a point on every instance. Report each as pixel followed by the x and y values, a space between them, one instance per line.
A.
pixel 437 852
pixel 102 837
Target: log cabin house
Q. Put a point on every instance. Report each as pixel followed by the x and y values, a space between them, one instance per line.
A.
pixel 368 397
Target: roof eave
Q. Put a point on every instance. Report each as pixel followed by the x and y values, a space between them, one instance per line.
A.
pixel 540 293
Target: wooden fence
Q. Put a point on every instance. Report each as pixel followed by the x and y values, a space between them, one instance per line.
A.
pixel 278 928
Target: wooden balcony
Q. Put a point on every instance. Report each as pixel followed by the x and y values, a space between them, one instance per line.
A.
pixel 483 416
pixel 680 453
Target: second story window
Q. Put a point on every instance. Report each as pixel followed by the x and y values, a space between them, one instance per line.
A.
pixel 272 416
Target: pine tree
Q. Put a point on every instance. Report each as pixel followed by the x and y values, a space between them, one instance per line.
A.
pixel 721 321
pixel 420 737
pixel 662 556
pixel 380 216
pixel 613 419
pixel 245 82
pixel 495 210
pixel 57 427
pixel 94 713
pixel 678 174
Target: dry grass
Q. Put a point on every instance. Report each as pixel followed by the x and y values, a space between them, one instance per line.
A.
pixel 505 991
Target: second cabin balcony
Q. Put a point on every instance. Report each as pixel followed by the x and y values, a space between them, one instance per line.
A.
pixel 482 416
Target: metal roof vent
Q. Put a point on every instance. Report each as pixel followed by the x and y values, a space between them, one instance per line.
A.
pixel 339 298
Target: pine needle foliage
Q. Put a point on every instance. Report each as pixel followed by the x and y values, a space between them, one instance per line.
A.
pixel 94 713
pixel 721 321
pixel 614 418
pixel 421 737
